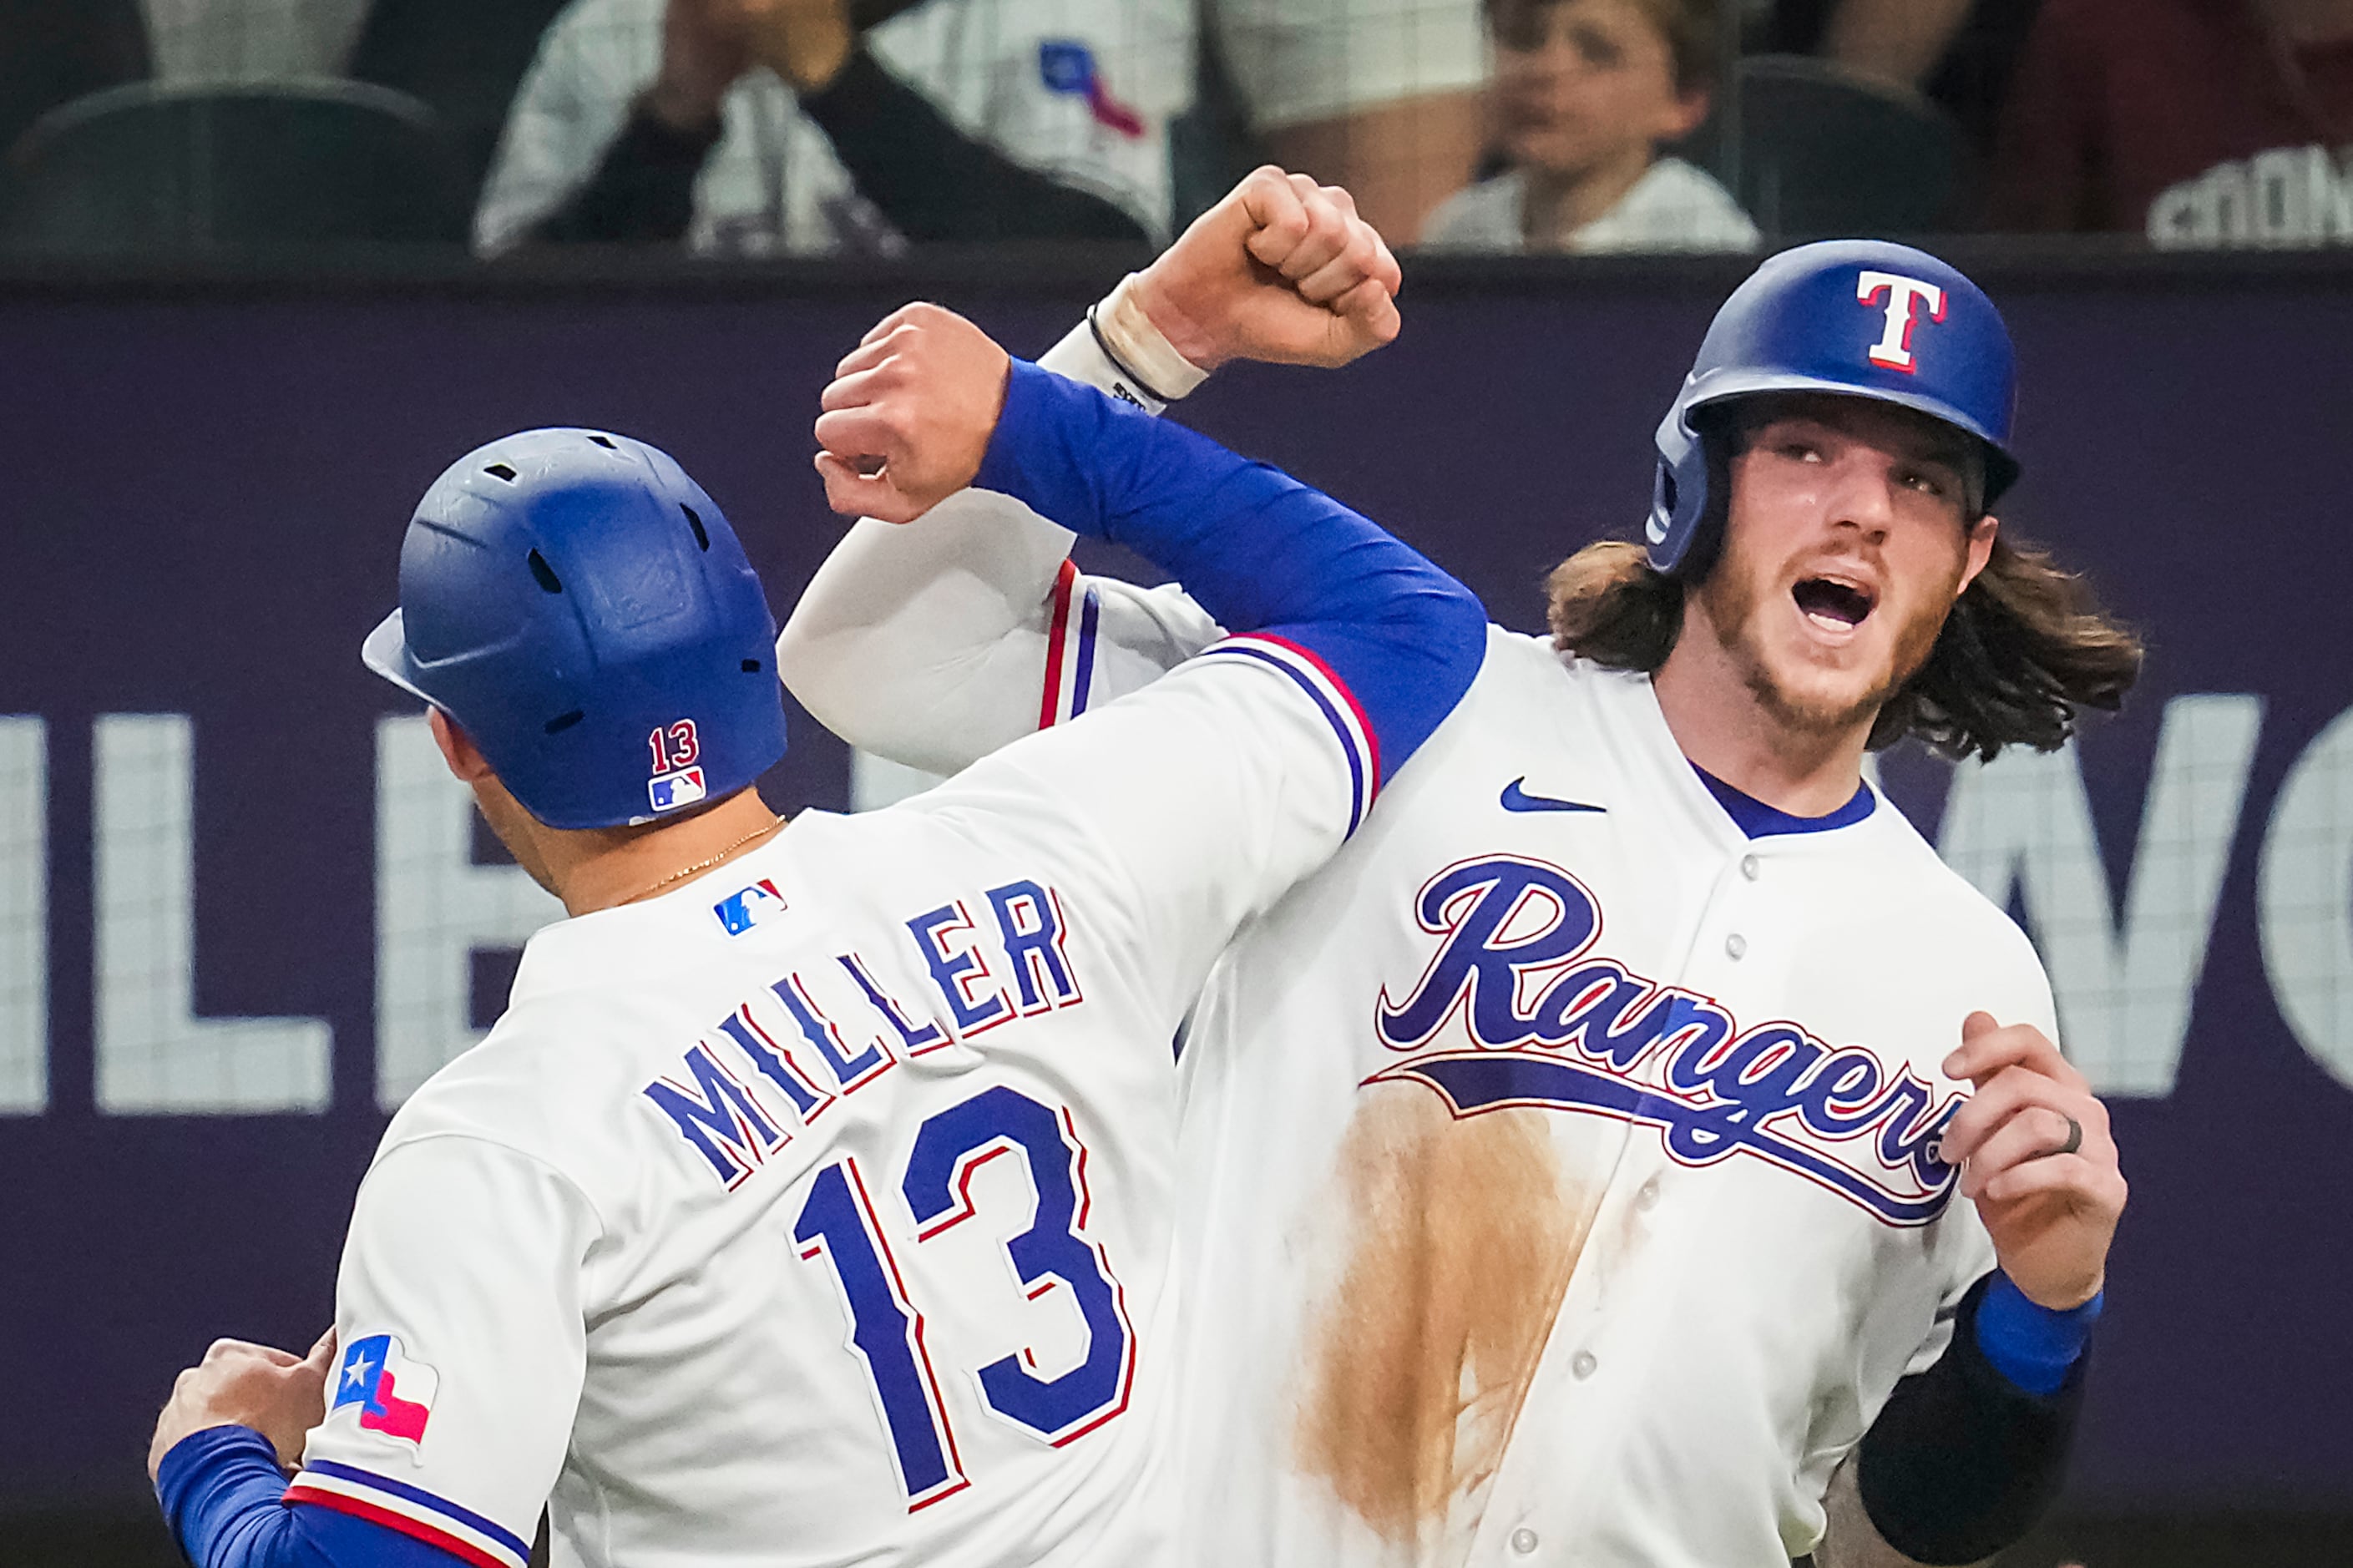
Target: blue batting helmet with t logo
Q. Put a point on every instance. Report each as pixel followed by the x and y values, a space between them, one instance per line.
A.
pixel 581 609
pixel 1858 317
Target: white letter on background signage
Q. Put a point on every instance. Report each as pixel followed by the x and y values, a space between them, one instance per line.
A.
pixel 2304 893
pixel 433 908
pixel 23 917
pixel 154 1055
pixel 2024 821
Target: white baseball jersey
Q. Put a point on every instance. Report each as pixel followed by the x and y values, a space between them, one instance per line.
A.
pixel 1077 90
pixel 1558 1165
pixel 818 1210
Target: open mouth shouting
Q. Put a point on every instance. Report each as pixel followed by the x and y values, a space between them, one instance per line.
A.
pixel 1834 605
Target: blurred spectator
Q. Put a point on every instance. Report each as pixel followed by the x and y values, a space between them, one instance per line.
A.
pixel 2197 122
pixel 1960 54
pixel 1586 91
pixel 755 127
pixel 1381 95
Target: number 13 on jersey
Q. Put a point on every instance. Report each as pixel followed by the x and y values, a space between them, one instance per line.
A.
pixel 837 1228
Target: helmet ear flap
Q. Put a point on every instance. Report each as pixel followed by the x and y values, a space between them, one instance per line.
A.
pixel 1679 495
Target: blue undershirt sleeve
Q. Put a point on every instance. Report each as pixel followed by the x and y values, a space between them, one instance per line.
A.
pixel 1262 552
pixel 1963 1459
pixel 2034 1346
pixel 222 1493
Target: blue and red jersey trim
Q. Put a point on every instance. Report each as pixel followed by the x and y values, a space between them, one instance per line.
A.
pixel 1359 743
pixel 410 1510
pixel 1070 649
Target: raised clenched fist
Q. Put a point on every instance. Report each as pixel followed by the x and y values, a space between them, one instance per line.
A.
pixel 910 413
pixel 1283 270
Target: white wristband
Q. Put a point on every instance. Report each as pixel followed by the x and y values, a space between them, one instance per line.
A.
pixel 1134 343
pixel 1118 349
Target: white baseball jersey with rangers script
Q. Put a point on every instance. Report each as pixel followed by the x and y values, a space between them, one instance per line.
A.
pixel 1559 1173
pixel 818 1210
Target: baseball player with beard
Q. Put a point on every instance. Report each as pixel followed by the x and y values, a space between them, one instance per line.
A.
pixel 1636 1147
pixel 812 1202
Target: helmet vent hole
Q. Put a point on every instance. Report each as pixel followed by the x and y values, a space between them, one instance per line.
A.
pixel 499 470
pixel 1667 487
pixel 563 722
pixel 751 666
pixel 694 522
pixel 545 574
pixel 606 442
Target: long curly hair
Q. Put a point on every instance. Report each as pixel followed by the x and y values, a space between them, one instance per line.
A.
pixel 2024 649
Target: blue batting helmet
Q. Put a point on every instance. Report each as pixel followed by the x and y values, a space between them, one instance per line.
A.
pixel 581 609
pixel 1856 317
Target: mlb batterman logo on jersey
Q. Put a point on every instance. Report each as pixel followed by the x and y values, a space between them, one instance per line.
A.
pixel 393 1392
pixel 747 907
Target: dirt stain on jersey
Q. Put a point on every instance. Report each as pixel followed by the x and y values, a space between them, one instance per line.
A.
pixel 1463 1239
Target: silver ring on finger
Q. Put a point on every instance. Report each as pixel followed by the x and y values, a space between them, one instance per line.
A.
pixel 2074 1139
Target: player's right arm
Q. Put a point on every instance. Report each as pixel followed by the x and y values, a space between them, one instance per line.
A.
pixel 1202 799
pixel 934 644
pixel 460 1347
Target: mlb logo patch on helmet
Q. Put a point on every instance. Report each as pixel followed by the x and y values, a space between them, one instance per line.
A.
pixel 739 911
pixel 393 1392
pixel 671 791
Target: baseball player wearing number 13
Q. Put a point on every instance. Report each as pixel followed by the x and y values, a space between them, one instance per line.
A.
pixel 810 1202
pixel 1583 1167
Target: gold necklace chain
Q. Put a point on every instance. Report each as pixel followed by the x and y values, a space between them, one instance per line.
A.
pixel 683 872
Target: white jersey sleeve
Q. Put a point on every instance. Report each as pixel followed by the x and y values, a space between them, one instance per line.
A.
pixel 935 642
pixel 1194 804
pixel 458 1308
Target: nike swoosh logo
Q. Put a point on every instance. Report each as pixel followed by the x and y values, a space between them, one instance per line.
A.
pixel 1517 799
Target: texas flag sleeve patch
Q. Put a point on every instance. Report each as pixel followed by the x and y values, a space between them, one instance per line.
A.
pixel 392 1392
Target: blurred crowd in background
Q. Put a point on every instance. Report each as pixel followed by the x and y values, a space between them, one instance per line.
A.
pixel 757 127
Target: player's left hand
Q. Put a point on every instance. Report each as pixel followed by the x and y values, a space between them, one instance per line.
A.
pixel 908 418
pixel 1283 270
pixel 277 1394
pixel 2052 1215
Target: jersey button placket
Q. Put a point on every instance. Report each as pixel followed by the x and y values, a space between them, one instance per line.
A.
pixel 1581 1365
pixel 1750 867
pixel 1735 946
pixel 1523 1542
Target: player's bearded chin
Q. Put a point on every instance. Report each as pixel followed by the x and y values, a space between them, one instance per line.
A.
pixel 1733 598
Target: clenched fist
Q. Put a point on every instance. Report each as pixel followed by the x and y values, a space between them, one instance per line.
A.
pixel 908 418
pixel 277 1394
pixel 1283 270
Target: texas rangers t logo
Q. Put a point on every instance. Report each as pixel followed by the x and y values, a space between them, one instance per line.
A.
pixel 1894 349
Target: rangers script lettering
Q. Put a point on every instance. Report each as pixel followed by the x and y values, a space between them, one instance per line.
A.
pixel 1647 1052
